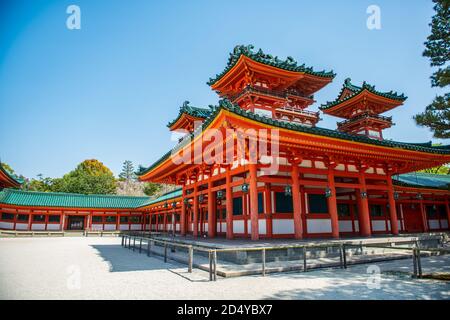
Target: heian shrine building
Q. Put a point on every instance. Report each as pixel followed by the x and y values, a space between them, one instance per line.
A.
pixel 258 165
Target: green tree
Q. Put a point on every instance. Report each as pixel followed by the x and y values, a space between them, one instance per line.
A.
pixel 437 115
pixel 40 184
pixel 127 173
pixel 444 169
pixel 89 177
pixel 151 188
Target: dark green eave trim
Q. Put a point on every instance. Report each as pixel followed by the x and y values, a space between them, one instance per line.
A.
pixel 289 64
pixel 13 177
pixel 164 197
pixel 225 104
pixel 423 180
pixel 192 111
pixel 357 90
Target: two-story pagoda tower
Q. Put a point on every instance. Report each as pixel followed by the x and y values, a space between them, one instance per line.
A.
pixel 268 86
pixel 361 108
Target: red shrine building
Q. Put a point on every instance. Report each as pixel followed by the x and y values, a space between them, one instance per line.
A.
pixel 258 165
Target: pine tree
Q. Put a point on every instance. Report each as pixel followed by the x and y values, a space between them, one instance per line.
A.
pixel 127 173
pixel 437 115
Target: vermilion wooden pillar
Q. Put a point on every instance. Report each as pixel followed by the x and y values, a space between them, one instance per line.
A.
pixel 211 211
pixel 332 204
pixel 195 229
pixel 30 219
pixel 363 209
pixel 392 207
pixel 183 213
pixel 254 202
pixel 61 224
pixel 303 210
pixel 448 212
pixel 268 210
pixel 298 230
pixel 424 216
pixel 229 204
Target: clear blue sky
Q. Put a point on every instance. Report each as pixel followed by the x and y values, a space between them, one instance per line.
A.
pixel 108 90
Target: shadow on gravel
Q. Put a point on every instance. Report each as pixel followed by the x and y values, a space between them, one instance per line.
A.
pixel 356 285
pixel 124 260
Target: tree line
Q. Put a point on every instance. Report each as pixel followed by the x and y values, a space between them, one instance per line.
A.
pixel 92 177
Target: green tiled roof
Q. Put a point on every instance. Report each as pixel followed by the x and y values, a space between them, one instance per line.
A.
pixel 69 200
pixel 165 197
pixel 289 64
pixel 357 90
pixel 192 111
pixel 82 201
pixel 423 180
pixel 13 177
pixel 227 105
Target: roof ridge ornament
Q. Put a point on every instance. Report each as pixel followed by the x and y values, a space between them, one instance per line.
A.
pixel 289 63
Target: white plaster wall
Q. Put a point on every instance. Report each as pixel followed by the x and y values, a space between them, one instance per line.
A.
pixel 123 227
pixel 52 227
pixel 6 225
pixel 378 225
pixel 22 226
pixel 444 223
pixel 136 227
pixel 238 226
pixel 282 226
pixel 433 223
pixel 224 226
pixel 97 227
pixel 262 226
pixel 38 226
pixel 345 226
pixel 109 227
pixel 318 225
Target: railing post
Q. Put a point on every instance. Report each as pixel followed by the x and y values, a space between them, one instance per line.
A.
pixel 190 259
pixel 140 245
pixel 210 265
pixel 148 248
pixel 134 243
pixel 122 241
pixel 165 251
pixel 414 263
pixel 419 264
pixel 263 258
pixel 304 259
pixel 215 264
pixel 341 258
pixel 344 256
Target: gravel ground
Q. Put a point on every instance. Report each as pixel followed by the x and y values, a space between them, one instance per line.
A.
pixel 99 268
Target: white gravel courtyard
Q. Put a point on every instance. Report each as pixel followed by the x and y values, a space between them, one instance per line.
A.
pixel 99 268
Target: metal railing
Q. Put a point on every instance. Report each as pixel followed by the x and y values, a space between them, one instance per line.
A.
pixel 129 241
